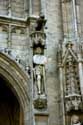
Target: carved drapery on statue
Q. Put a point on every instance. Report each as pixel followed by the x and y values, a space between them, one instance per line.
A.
pixel 39 78
pixel 40 100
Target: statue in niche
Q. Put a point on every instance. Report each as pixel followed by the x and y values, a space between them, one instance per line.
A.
pixel 75 120
pixel 39 77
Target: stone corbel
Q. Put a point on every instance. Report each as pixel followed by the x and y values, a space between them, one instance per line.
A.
pixel 38 38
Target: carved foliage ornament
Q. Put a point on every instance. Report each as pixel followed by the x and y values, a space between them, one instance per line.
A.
pixel 40 103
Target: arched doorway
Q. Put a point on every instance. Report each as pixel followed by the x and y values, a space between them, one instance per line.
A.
pixel 14 93
pixel 10 109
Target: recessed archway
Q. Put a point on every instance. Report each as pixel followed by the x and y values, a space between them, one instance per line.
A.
pixel 11 112
pixel 16 83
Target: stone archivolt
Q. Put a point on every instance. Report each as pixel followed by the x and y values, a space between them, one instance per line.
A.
pixel 17 81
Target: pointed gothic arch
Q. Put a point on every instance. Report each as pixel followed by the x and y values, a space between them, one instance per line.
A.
pixel 18 82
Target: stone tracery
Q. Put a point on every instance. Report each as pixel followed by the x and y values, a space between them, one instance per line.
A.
pixel 71 78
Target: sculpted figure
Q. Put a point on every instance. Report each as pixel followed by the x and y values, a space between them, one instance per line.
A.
pixel 39 79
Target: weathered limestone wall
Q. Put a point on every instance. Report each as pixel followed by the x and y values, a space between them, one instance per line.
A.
pixel 68 21
pixel 19 42
pixel 16 8
pixel 36 7
pixel 54 35
pixel 15 38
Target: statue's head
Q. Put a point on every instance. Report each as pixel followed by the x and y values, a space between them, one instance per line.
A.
pixel 75 119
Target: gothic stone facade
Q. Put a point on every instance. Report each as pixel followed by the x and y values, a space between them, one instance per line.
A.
pixel 41 61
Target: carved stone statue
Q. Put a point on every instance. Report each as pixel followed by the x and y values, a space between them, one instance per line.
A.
pixel 40 102
pixel 39 76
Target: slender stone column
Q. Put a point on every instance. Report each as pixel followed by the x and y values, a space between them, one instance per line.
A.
pixel 75 18
pixel 62 90
pixel 9 44
pixel 9 9
pixel 80 68
pixel 27 119
pixel 42 7
pixel 30 7
pixel 78 19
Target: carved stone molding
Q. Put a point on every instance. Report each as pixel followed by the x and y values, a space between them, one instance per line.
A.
pixel 40 103
pixel 73 102
pixel 38 38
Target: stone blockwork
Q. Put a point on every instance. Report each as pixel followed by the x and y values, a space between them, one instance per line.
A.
pixel 54 36
pixel 16 38
pixel 16 24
